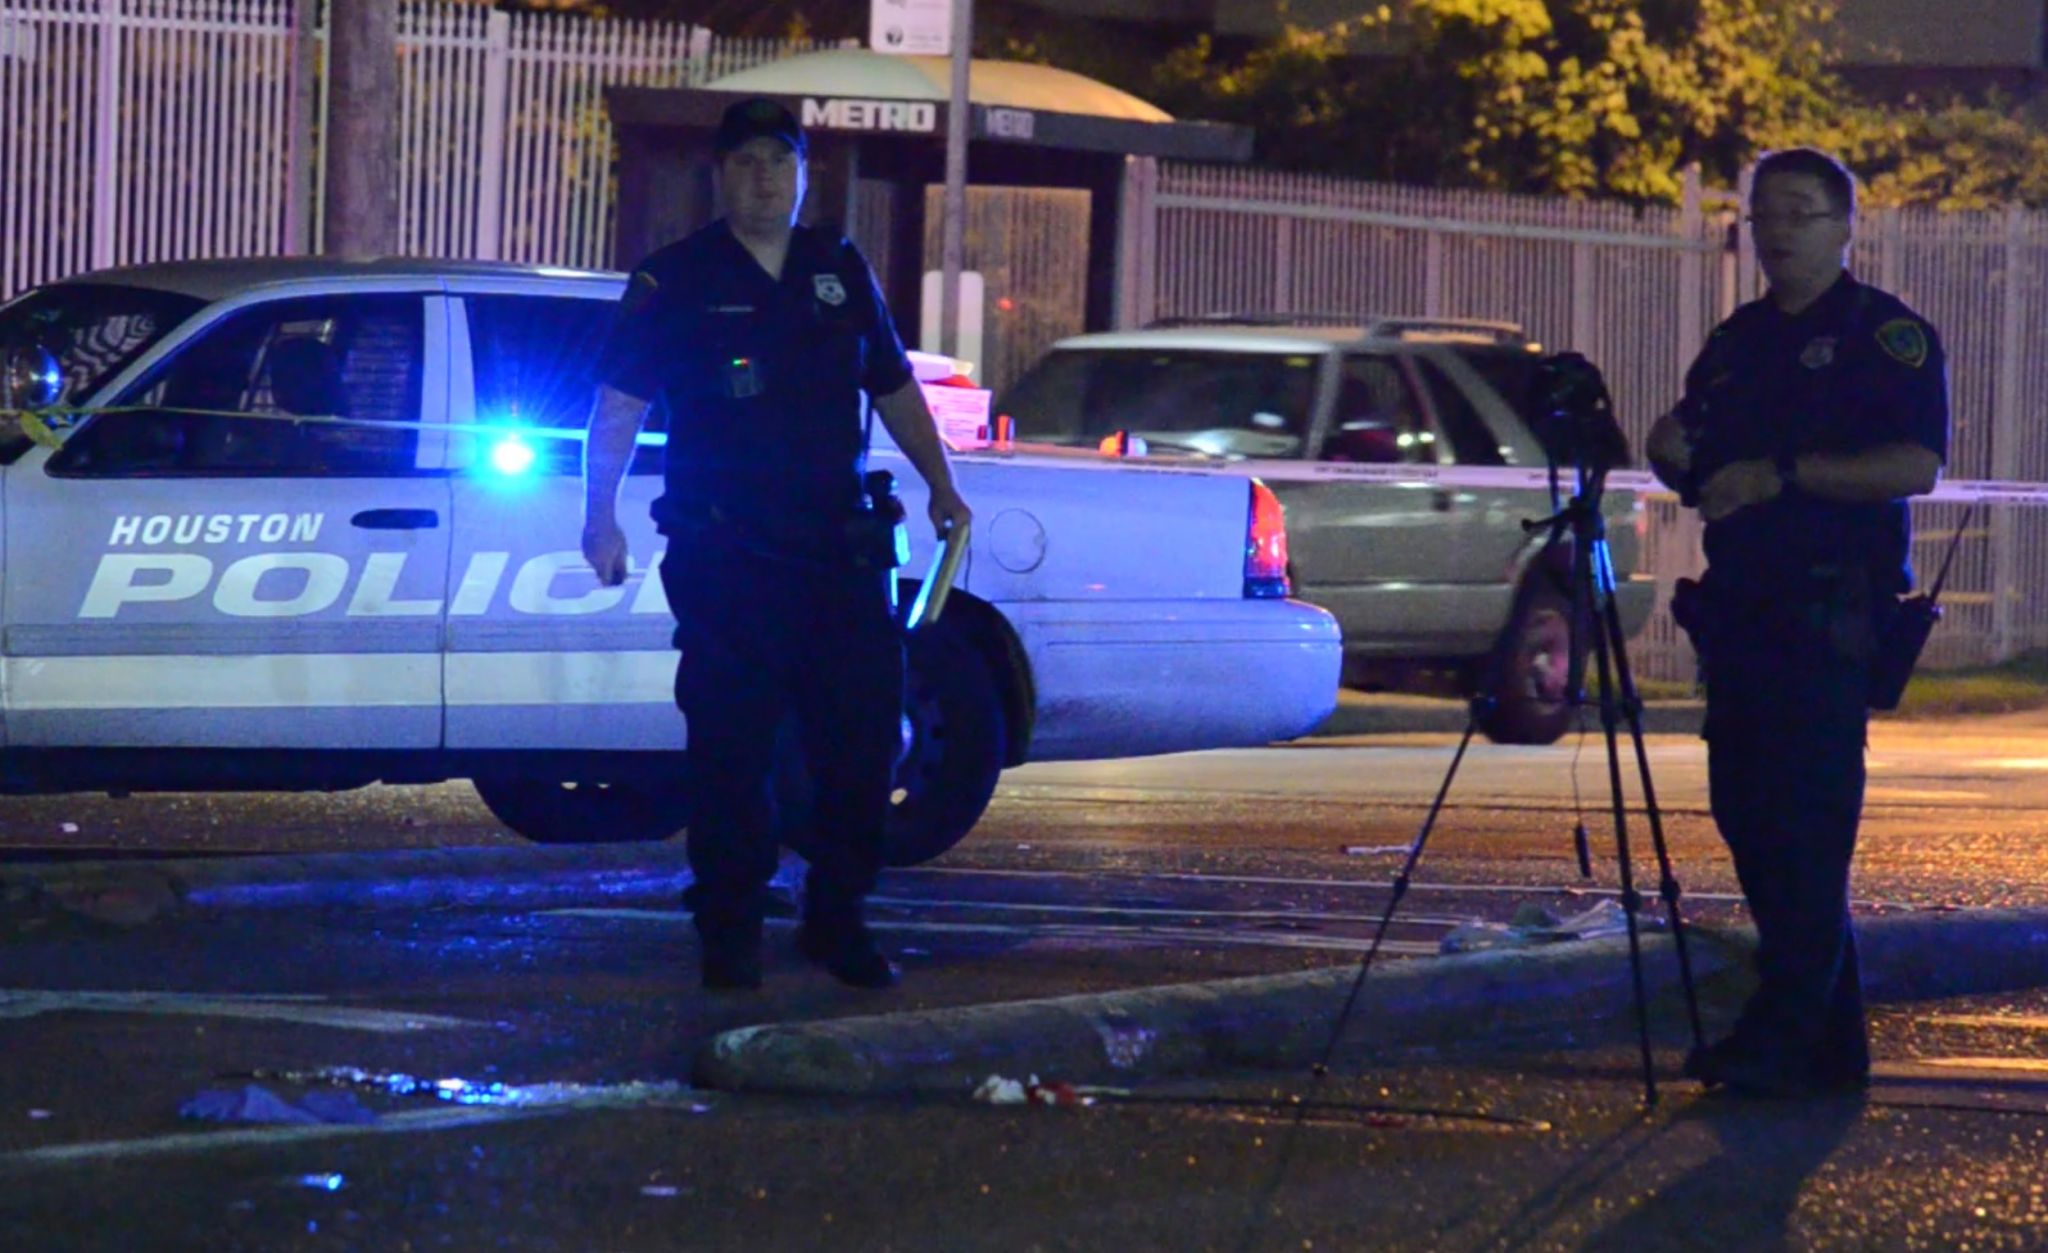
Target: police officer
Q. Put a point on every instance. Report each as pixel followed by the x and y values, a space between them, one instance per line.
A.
pixel 758 338
pixel 1809 418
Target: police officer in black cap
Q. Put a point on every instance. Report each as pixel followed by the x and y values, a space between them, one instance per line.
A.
pixel 1807 421
pixel 759 338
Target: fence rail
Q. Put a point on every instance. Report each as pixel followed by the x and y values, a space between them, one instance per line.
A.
pixel 150 130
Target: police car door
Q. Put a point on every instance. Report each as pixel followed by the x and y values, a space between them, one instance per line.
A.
pixel 539 654
pixel 199 574
pixel 1379 555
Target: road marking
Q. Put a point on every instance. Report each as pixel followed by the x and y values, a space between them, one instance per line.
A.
pixel 2018 1022
pixel 1264 915
pixel 308 1010
pixel 2013 763
pixel 1068 931
pixel 1524 889
pixel 440 1118
pixel 2018 1065
pixel 1922 794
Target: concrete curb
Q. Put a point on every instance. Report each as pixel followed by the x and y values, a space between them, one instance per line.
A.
pixel 1284 1022
pixel 132 893
pixel 1360 714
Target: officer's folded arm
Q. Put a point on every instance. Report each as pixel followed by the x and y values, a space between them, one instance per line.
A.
pixel 1887 472
pixel 1670 452
pixel 910 424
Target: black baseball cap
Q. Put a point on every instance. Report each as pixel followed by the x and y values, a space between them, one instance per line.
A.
pixel 752 119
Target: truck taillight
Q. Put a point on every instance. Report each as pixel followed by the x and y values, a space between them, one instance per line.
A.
pixel 1265 546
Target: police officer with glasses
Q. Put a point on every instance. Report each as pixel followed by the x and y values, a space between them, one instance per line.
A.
pixel 1808 420
pixel 759 338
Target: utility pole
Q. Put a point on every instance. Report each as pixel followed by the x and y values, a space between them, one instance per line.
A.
pixel 953 231
pixel 299 143
pixel 362 120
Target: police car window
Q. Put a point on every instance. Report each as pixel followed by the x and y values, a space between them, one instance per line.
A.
pixel 1471 442
pixel 1224 404
pixel 224 404
pixel 93 329
pixel 1377 417
pixel 533 357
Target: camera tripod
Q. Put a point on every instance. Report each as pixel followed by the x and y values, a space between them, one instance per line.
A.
pixel 1592 600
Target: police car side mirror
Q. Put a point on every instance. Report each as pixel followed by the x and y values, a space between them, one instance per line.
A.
pixel 30 378
pixel 305 376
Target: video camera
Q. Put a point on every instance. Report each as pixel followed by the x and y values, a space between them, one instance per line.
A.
pixel 1573 415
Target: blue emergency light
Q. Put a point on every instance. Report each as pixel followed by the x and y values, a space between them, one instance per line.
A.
pixel 512 456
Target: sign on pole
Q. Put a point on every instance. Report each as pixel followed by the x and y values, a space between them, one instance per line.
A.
pixel 911 27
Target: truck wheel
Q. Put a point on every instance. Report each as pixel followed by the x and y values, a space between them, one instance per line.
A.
pixel 570 811
pixel 955 740
pixel 1531 667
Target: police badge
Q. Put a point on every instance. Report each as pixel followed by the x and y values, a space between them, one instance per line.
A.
pixel 829 289
pixel 1819 354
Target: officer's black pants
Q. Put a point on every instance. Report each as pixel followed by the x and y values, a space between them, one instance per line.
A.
pixel 763 641
pixel 1786 719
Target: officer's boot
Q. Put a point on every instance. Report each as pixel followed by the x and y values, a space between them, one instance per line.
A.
pixel 834 937
pixel 731 947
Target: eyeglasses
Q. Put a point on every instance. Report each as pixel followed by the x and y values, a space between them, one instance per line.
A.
pixel 1794 220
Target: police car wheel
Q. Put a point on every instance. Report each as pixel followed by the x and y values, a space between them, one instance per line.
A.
pixel 955 740
pixel 954 751
pixel 1529 675
pixel 558 811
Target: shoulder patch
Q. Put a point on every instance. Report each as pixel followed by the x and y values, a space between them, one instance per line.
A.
pixel 1905 341
pixel 638 292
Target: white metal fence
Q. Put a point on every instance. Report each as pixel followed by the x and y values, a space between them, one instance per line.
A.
pixel 152 130
pixel 1637 291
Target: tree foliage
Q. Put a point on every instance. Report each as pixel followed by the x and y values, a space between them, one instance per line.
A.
pixel 1590 98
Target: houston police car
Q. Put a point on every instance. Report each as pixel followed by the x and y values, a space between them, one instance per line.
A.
pixel 211 583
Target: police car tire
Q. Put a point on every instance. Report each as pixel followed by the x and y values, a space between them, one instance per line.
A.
pixel 1533 654
pixel 957 743
pixel 566 811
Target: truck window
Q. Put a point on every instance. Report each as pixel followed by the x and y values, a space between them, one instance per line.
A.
pixel 328 356
pixel 1377 417
pixel 1223 404
pixel 533 356
pixel 1471 442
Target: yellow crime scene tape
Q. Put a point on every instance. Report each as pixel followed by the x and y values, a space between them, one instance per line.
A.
pixel 36 425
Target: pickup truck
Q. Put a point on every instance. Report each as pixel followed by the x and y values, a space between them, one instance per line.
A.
pixel 1426 577
pixel 211 583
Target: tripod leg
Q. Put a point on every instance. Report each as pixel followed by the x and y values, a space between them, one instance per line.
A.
pixel 1587 562
pixel 1400 890
pixel 1632 706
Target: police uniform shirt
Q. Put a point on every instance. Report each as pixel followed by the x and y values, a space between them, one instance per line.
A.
pixel 1856 370
pixel 760 379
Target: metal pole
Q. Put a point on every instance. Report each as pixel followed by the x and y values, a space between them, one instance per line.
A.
pixel 362 153
pixel 299 140
pixel 953 246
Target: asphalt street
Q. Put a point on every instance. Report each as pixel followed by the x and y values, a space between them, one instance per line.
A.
pixel 528 1069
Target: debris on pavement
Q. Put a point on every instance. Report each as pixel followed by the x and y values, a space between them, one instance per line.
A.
pixel 1059 1094
pixel 1374 850
pixel 996 1090
pixel 38 1115
pixel 322 1182
pixel 1534 924
pixel 660 1189
pixel 68 828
